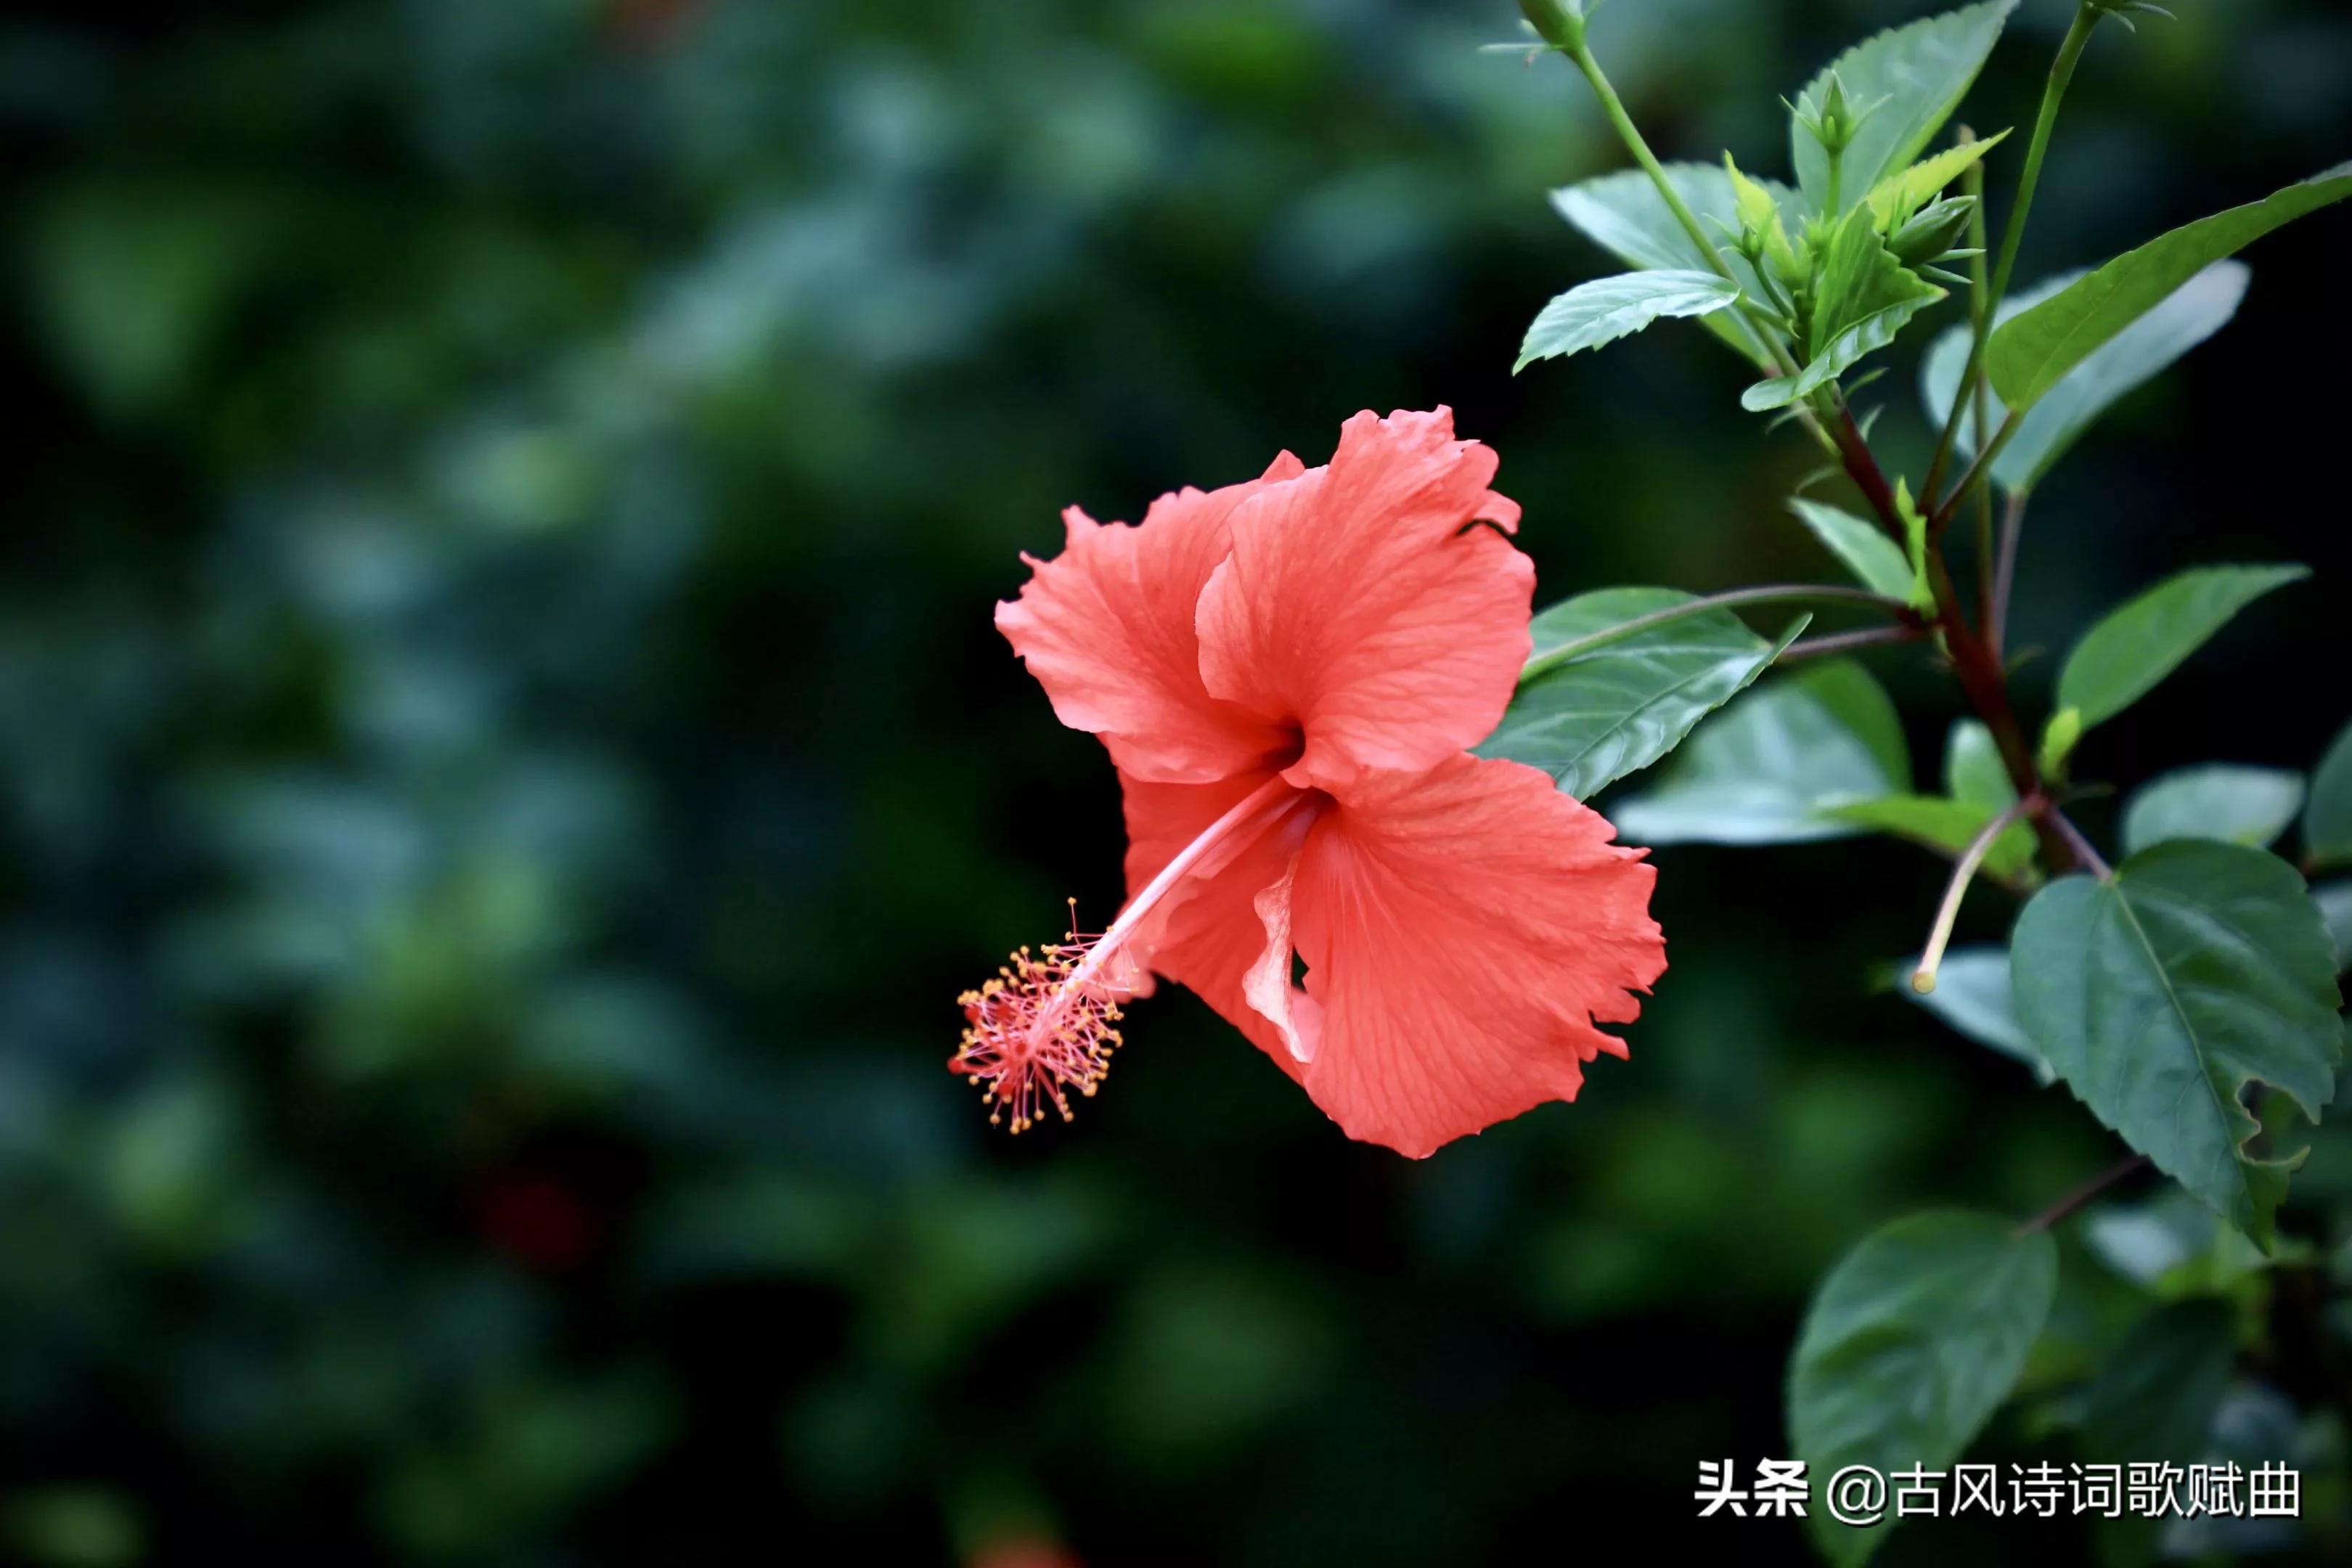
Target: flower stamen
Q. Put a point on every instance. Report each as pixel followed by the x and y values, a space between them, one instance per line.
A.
pixel 1043 1026
pixel 1047 1024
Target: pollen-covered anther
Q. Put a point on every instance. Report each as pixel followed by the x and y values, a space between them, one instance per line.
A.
pixel 1045 1025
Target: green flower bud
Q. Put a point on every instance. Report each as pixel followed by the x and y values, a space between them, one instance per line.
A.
pixel 1560 23
pixel 1791 260
pixel 1835 119
pixel 1931 231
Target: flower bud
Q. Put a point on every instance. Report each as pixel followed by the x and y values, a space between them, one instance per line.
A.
pixel 1835 119
pixel 1931 231
pixel 1560 23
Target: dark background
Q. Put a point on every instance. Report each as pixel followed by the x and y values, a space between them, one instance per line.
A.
pixel 508 767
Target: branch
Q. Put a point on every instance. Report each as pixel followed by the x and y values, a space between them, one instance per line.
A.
pixel 1846 642
pixel 2004 574
pixel 2083 1194
pixel 2084 854
pixel 2062 72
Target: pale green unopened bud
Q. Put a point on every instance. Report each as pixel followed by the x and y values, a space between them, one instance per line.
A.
pixel 1560 23
pixel 1835 119
pixel 1931 231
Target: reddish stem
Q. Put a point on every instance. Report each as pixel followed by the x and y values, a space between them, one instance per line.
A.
pixel 1974 663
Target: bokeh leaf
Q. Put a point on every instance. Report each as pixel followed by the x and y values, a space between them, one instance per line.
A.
pixel 2132 649
pixel 1910 1344
pixel 1972 997
pixel 1921 72
pixel 2334 901
pixel 1767 771
pixel 1607 309
pixel 2141 352
pixel 2327 817
pixel 2032 352
pixel 2161 995
pixel 2155 1398
pixel 2171 1244
pixel 1973 770
pixel 2219 801
pixel 1621 707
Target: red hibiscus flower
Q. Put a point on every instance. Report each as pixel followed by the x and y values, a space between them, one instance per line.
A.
pixel 1287 674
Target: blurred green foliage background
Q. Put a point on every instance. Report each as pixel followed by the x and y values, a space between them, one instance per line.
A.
pixel 508 767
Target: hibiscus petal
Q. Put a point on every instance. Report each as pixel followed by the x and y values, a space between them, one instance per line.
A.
pixel 1107 627
pixel 1358 602
pixel 1296 1016
pixel 1213 934
pixel 1464 930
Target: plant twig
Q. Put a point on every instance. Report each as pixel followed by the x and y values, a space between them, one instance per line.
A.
pixel 2084 853
pixel 1846 642
pixel 2004 573
pixel 1972 182
pixel 1980 674
pixel 1979 472
pixel 2083 1194
pixel 1775 357
pixel 2053 92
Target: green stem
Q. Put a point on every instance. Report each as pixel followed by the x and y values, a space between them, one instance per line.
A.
pixel 2083 1194
pixel 1981 470
pixel 1773 351
pixel 1980 317
pixel 2062 72
pixel 1552 659
pixel 1631 134
pixel 2004 573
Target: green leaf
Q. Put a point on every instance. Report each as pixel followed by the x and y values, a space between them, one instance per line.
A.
pixel 1626 703
pixel 1779 391
pixel 2028 354
pixel 2327 819
pixel 2132 649
pixel 2138 354
pixel 2334 901
pixel 1973 770
pixel 1624 213
pixel 2171 1243
pixel 1875 561
pixel 1950 825
pixel 1972 997
pixel 1921 71
pixel 1757 204
pixel 2234 805
pixel 1899 195
pixel 1911 1343
pixel 1607 309
pixel 2161 995
pixel 1865 295
pixel 2155 1398
pixel 1767 771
